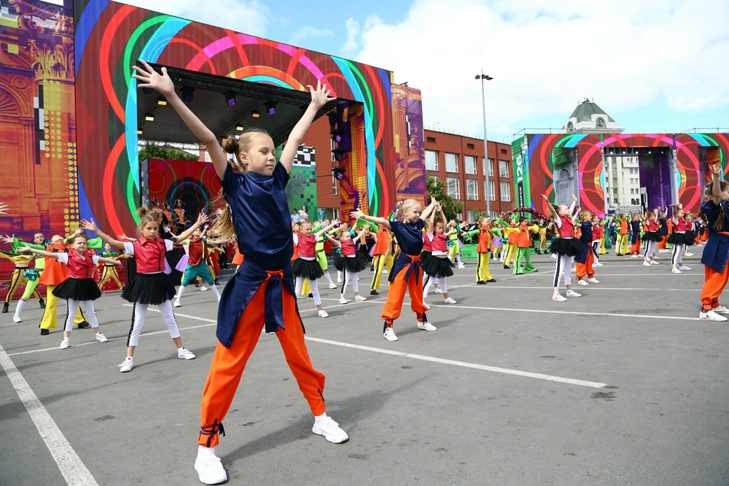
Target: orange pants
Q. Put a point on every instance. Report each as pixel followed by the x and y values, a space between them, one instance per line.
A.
pixel 396 294
pixel 635 248
pixel 227 366
pixel 582 269
pixel 714 283
pixel 662 243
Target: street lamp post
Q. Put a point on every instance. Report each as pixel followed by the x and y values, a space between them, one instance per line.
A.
pixel 487 189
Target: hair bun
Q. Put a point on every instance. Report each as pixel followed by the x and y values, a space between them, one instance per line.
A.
pixel 230 145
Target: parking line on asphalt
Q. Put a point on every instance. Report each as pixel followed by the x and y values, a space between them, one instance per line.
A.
pixel 73 470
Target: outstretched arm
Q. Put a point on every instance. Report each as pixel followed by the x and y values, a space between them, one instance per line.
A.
pixel 38 252
pixel 147 77
pixel 550 207
pixel 202 218
pixel 715 183
pixel 375 219
pixel 91 226
pixel 429 210
pixel 319 97
pixel 326 229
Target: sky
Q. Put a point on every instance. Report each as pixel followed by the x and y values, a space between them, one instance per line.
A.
pixel 653 65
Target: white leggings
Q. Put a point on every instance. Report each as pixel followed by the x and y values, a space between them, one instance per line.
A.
pixel 677 255
pixel 139 312
pixel 441 282
pixel 650 250
pixel 350 277
pixel 314 284
pixel 563 270
pixel 87 307
pixel 596 250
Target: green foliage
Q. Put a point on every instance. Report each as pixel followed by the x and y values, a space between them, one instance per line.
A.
pixel 561 157
pixel 451 208
pixel 164 152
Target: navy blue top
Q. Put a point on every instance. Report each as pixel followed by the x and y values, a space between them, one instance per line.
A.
pixel 586 231
pixel 261 215
pixel 409 236
pixel 716 251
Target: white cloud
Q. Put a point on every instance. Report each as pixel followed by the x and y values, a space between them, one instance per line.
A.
pixel 545 56
pixel 353 34
pixel 309 32
pixel 248 16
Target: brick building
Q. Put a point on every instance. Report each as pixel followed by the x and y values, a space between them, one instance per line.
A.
pixel 458 162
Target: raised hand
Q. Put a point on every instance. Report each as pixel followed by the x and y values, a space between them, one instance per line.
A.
pixel 319 96
pixel 3 208
pixel 202 218
pixel 147 77
pixel 716 169
pixel 88 225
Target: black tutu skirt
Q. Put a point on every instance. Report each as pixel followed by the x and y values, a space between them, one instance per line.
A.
pixel 690 238
pixel 677 238
pixel 77 289
pixel 652 236
pixel 352 265
pixel 566 246
pixel 131 274
pixel 438 266
pixel 425 257
pixel 307 268
pixel 150 288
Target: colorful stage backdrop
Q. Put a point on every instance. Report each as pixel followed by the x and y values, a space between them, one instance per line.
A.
pixel 534 163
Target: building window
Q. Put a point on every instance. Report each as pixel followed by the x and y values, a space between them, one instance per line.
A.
pixel 453 188
pixel 600 122
pixel 490 189
pixel 431 160
pixel 469 164
pixel 335 185
pixel 470 145
pixel 430 139
pixel 488 169
pixel 471 190
pixel 503 168
pixel 505 191
pixel 451 162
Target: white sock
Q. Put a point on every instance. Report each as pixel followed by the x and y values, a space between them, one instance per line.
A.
pixel 180 289
pixel 216 291
pixel 19 307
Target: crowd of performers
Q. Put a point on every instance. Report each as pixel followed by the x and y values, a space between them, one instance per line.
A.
pixel 278 260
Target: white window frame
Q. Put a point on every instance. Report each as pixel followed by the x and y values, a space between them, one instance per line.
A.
pixel 471 190
pixel 491 189
pixel 505 194
pixel 469 164
pixel 505 165
pixel 427 167
pixel 454 158
pixel 455 194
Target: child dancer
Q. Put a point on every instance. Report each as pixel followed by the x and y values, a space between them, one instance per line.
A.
pixel 382 258
pixel 522 262
pixel 454 245
pixel 678 240
pixel 496 241
pixel 22 273
pixel 690 233
pixel 597 240
pixel 321 257
pixel 306 266
pixel 439 266
pixel 651 238
pixel 197 266
pixel 621 242
pixel 716 254
pixel 262 289
pixel 79 289
pixel 635 236
pixel 407 272
pixel 350 262
pixel 565 247
pixel 108 270
pixel 584 258
pixel 483 274
pixel 151 284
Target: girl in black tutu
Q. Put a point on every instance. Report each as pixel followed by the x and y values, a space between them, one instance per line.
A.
pixel 565 247
pixel 151 284
pixel 306 266
pixel 350 262
pixel 438 266
pixel 651 236
pixel 80 288
pixel 678 238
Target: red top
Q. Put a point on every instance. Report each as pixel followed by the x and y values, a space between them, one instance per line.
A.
pixel 652 225
pixel 596 232
pixel 197 252
pixel 348 247
pixel 427 245
pixel 566 228
pixel 524 240
pixel 150 255
pixel 238 258
pixel 54 272
pixel 383 242
pixel 81 265
pixel 439 243
pixel 682 226
pixel 484 241
pixel 306 246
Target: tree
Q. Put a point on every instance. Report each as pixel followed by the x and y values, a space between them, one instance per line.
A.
pixel 164 152
pixel 451 208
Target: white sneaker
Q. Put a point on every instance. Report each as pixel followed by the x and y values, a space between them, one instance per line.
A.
pixel 208 467
pixel 655 262
pixel 572 293
pixel 583 283
pixel 427 307
pixel 177 303
pixel 322 313
pixel 450 300
pixel 646 263
pixel 126 365
pixel 634 256
pixel 688 254
pixel 722 309
pixel 593 280
pixel 675 270
pixel 711 316
pixel 184 353
pixel 389 334
pixel 100 337
pixel 554 256
pixel 342 300
pixel 684 268
pixel 437 291
pixel 359 298
pixel 461 266
pixel 65 343
pixel 557 297
pixel 17 318
pixel 325 426
pixel 426 326
pixel 663 250
pixel 333 285
pixel 598 264
pixel 203 288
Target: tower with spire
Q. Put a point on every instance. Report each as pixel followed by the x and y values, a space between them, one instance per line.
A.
pixel 588 117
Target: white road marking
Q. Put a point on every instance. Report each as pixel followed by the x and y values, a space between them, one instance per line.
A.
pixel 73 470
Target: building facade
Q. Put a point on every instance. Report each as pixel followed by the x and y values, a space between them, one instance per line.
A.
pixel 458 162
